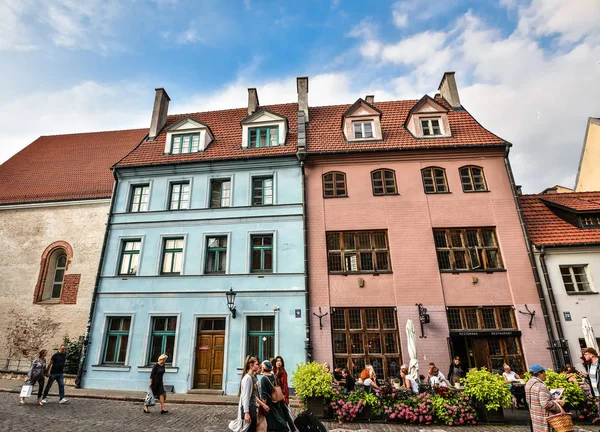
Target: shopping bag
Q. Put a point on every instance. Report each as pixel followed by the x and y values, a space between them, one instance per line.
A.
pixel 149 401
pixel 26 390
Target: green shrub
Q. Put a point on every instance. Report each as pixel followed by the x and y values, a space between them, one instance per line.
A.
pixel 73 354
pixel 312 380
pixel 488 388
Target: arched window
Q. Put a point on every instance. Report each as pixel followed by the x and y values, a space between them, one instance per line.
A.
pixel 472 179
pixel 384 182
pixel 54 264
pixel 334 184
pixel 434 180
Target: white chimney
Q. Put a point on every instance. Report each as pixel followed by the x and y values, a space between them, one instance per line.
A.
pixel 449 91
pixel 370 99
pixel 302 88
pixel 252 101
pixel 159 113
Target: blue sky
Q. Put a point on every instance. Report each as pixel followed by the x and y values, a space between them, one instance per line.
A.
pixel 527 69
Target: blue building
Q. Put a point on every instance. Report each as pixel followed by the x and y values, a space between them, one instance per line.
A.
pixel 209 204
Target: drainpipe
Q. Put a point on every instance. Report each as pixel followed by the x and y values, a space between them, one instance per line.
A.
pixel 306 280
pixel 528 245
pixel 88 329
pixel 551 298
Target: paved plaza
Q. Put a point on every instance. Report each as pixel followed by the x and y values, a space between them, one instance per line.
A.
pixel 108 415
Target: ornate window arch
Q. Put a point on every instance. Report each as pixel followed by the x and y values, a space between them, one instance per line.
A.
pixel 54 264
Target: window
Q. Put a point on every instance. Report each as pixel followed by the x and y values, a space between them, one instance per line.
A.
pixel 362 130
pixel 172 256
pixel 180 196
pixel 189 143
pixel 384 182
pixel 117 337
pixel 262 191
pixel 267 136
pixel 434 180
pixel 431 127
pixel 162 338
pixel 261 337
pixel 575 278
pixel 360 251
pixel 366 336
pixel 220 193
pixel 334 184
pixel 590 221
pixel 583 343
pixel 481 318
pixel 130 255
pixel 262 253
pixel 467 249
pixel 55 275
pixel 139 198
pixel 472 179
pixel 216 254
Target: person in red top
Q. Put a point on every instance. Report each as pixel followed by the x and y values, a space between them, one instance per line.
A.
pixel 282 378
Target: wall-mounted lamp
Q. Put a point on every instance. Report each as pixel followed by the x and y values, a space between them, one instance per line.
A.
pixel 231 301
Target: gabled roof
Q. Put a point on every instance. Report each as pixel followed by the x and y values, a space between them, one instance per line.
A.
pixel 256 114
pixel 547 228
pixel 186 120
pixel 358 103
pixel 425 99
pixel 66 167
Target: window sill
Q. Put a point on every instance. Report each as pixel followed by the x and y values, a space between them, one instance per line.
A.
pixel 48 302
pixel 360 273
pixel 108 368
pixel 582 293
pixel 386 194
pixel 473 271
pixel 148 368
pixel 338 196
pixel 437 193
pixel 478 191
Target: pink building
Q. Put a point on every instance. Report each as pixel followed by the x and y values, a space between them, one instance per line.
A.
pixel 412 202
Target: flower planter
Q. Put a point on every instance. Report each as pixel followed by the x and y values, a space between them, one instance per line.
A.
pixel 365 414
pixel 397 386
pixel 316 405
pixel 489 416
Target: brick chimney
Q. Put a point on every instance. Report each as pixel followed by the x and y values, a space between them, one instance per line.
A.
pixel 449 91
pixel 159 113
pixel 252 101
pixel 302 88
pixel 370 99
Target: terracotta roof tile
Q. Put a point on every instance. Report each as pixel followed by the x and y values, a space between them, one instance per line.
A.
pixel 546 228
pixel 66 167
pixel 573 202
pixel 324 134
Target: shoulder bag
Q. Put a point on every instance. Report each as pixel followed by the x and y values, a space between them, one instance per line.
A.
pixel 276 392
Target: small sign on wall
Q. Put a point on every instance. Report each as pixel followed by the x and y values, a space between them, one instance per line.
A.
pixel 298 313
pixel 567 316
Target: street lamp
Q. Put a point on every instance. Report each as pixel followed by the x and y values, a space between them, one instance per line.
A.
pixel 231 301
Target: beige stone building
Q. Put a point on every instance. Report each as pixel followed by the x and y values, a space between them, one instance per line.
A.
pixel 54 202
pixel 588 174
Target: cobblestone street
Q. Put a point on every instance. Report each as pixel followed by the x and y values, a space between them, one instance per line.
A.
pixel 107 415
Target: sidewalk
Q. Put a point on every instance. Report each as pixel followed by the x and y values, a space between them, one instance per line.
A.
pixel 14 386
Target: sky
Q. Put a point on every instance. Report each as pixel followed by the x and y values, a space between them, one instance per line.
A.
pixel 528 70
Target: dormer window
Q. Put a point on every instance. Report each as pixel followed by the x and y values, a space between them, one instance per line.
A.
pixel 363 130
pixel 431 127
pixel 188 143
pixel 590 221
pixel 267 136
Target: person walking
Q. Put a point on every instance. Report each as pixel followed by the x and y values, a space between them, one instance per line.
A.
pixel 248 405
pixel 456 372
pixel 540 400
pixel 36 375
pixel 282 378
pixel 278 419
pixel 156 383
pixel 56 373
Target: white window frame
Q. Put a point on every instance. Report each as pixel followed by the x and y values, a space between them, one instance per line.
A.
pixel 101 346
pixel 574 282
pixel 205 237
pixel 146 351
pixel 170 182
pixel 261 174
pixel 430 127
pixel 362 130
pixel 129 202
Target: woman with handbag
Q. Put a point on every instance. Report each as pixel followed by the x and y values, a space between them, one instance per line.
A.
pixel 540 400
pixel 36 375
pixel 282 378
pixel 278 419
pixel 156 383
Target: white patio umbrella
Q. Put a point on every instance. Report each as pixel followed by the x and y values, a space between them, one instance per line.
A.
pixel 588 334
pixel 411 340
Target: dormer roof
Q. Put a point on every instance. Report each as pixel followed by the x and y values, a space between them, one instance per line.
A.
pixel 188 123
pixel 261 115
pixel 426 104
pixel 367 109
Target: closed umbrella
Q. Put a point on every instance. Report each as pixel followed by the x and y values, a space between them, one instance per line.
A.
pixel 588 334
pixel 411 340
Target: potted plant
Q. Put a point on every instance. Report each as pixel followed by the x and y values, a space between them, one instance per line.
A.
pixel 396 383
pixel 491 393
pixel 312 384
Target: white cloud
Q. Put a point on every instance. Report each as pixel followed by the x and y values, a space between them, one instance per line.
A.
pixel 405 11
pixel 400 19
pixel 415 49
pixel 14 34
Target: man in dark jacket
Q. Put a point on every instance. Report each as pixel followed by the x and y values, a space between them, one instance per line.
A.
pixel 56 373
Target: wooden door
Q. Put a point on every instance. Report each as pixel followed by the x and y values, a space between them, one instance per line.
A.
pixel 480 353
pixel 210 349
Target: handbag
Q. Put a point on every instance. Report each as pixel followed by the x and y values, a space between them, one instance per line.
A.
pixel 26 390
pixel 261 421
pixel 276 392
pixel 149 401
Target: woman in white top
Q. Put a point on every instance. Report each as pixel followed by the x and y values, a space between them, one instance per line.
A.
pixel 371 382
pixel 408 381
pixel 509 376
pixel 437 379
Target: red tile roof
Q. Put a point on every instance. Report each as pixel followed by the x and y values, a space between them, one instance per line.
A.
pixel 324 134
pixel 546 228
pixel 66 167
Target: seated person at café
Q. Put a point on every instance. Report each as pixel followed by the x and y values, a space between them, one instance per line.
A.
pixel 407 380
pixel 370 382
pixel 337 375
pixel 349 381
pixel 431 366
pixel 518 391
pixel 437 379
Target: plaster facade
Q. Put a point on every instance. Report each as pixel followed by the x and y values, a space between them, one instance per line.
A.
pixel 588 177
pixel 409 218
pixel 26 232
